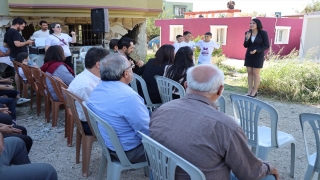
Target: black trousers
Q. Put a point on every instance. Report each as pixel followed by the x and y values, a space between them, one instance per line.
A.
pixel 11 104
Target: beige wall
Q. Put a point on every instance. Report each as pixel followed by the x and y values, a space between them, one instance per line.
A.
pixel 4 8
pixel 81 8
pixel 310 40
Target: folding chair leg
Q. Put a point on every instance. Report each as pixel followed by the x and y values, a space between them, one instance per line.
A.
pixel 103 163
pixel 38 103
pixel 113 172
pixel 78 146
pixel 47 104
pixel 309 173
pixel 70 129
pixel 55 111
pixel 293 159
pixel 86 155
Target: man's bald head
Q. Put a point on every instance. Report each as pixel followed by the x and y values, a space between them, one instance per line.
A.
pixel 205 78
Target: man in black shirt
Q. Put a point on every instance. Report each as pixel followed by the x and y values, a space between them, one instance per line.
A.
pixel 231 4
pixel 125 47
pixel 15 42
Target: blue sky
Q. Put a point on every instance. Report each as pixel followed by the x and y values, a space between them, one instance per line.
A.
pixel 261 6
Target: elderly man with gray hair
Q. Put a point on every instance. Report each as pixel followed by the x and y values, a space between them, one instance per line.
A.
pixel 193 128
pixel 119 105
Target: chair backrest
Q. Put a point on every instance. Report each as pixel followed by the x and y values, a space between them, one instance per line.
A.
pixel 166 87
pixel 71 101
pixel 222 104
pixel 84 49
pixel 163 162
pixel 314 121
pixel 36 74
pixel 56 88
pixel 60 84
pixel 144 88
pixel 249 110
pixel 28 75
pixel 95 120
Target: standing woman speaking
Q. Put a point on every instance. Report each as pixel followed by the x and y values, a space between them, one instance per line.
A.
pixel 61 39
pixel 256 41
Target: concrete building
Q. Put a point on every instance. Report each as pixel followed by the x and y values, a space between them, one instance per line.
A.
pixel 310 38
pixel 177 9
pixel 126 19
pixel 284 33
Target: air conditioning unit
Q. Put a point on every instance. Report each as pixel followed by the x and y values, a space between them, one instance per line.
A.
pixel 277 14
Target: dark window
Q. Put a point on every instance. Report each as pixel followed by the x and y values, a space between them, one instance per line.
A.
pixel 85 35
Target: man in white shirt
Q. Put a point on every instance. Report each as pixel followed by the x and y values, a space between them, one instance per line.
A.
pixel 187 41
pixel 206 48
pixel 86 81
pixel 43 32
pixel 177 44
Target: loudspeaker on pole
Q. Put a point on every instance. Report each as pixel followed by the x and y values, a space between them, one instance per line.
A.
pixel 100 20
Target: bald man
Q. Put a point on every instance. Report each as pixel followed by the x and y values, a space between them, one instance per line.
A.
pixel 193 128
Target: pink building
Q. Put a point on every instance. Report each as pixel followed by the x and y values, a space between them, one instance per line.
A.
pixel 282 32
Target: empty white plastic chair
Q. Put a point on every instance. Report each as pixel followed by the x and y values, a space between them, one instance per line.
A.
pixel 80 58
pixel 222 104
pixel 163 162
pixel 144 88
pixel 115 166
pixel 166 87
pixel 262 139
pixel 313 159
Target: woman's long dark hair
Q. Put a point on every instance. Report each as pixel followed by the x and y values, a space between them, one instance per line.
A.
pixel 182 61
pixel 165 54
pixel 259 24
pixel 54 53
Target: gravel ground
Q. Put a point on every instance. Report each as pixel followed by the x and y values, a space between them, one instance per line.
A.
pixel 50 146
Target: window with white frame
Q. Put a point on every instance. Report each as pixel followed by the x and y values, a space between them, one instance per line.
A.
pixel 179 10
pixel 174 31
pixel 282 35
pixel 219 33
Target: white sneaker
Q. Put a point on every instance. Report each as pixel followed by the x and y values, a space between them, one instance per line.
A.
pixel 22 100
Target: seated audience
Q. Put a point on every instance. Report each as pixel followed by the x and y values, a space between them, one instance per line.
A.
pixel 86 81
pixel 54 65
pixel 9 128
pixel 11 105
pixel 119 105
pixel 193 128
pixel 15 163
pixel 155 66
pixel 126 47
pixel 113 46
pixel 178 70
pixel 4 51
pixel 7 90
pixel 23 58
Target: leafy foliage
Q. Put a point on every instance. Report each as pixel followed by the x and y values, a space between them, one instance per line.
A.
pixel 152 30
pixel 312 7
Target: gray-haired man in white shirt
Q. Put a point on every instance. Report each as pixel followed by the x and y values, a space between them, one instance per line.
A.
pixel 86 81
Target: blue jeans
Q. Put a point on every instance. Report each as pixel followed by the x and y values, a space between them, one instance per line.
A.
pixel 268 177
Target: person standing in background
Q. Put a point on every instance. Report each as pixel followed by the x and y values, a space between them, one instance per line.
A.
pixel 256 41
pixel 206 46
pixel 188 42
pixel 177 44
pixel 43 32
pixel 56 37
pixel 16 43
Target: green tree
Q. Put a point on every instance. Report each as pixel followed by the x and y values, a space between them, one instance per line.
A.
pixel 312 7
pixel 152 30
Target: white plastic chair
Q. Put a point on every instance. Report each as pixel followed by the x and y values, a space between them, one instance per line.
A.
pixel 313 159
pixel 222 104
pixel 166 87
pixel 144 88
pixel 163 162
pixel 80 58
pixel 115 166
pixel 262 139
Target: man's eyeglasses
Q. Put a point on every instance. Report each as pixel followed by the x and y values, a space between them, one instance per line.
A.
pixel 132 66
